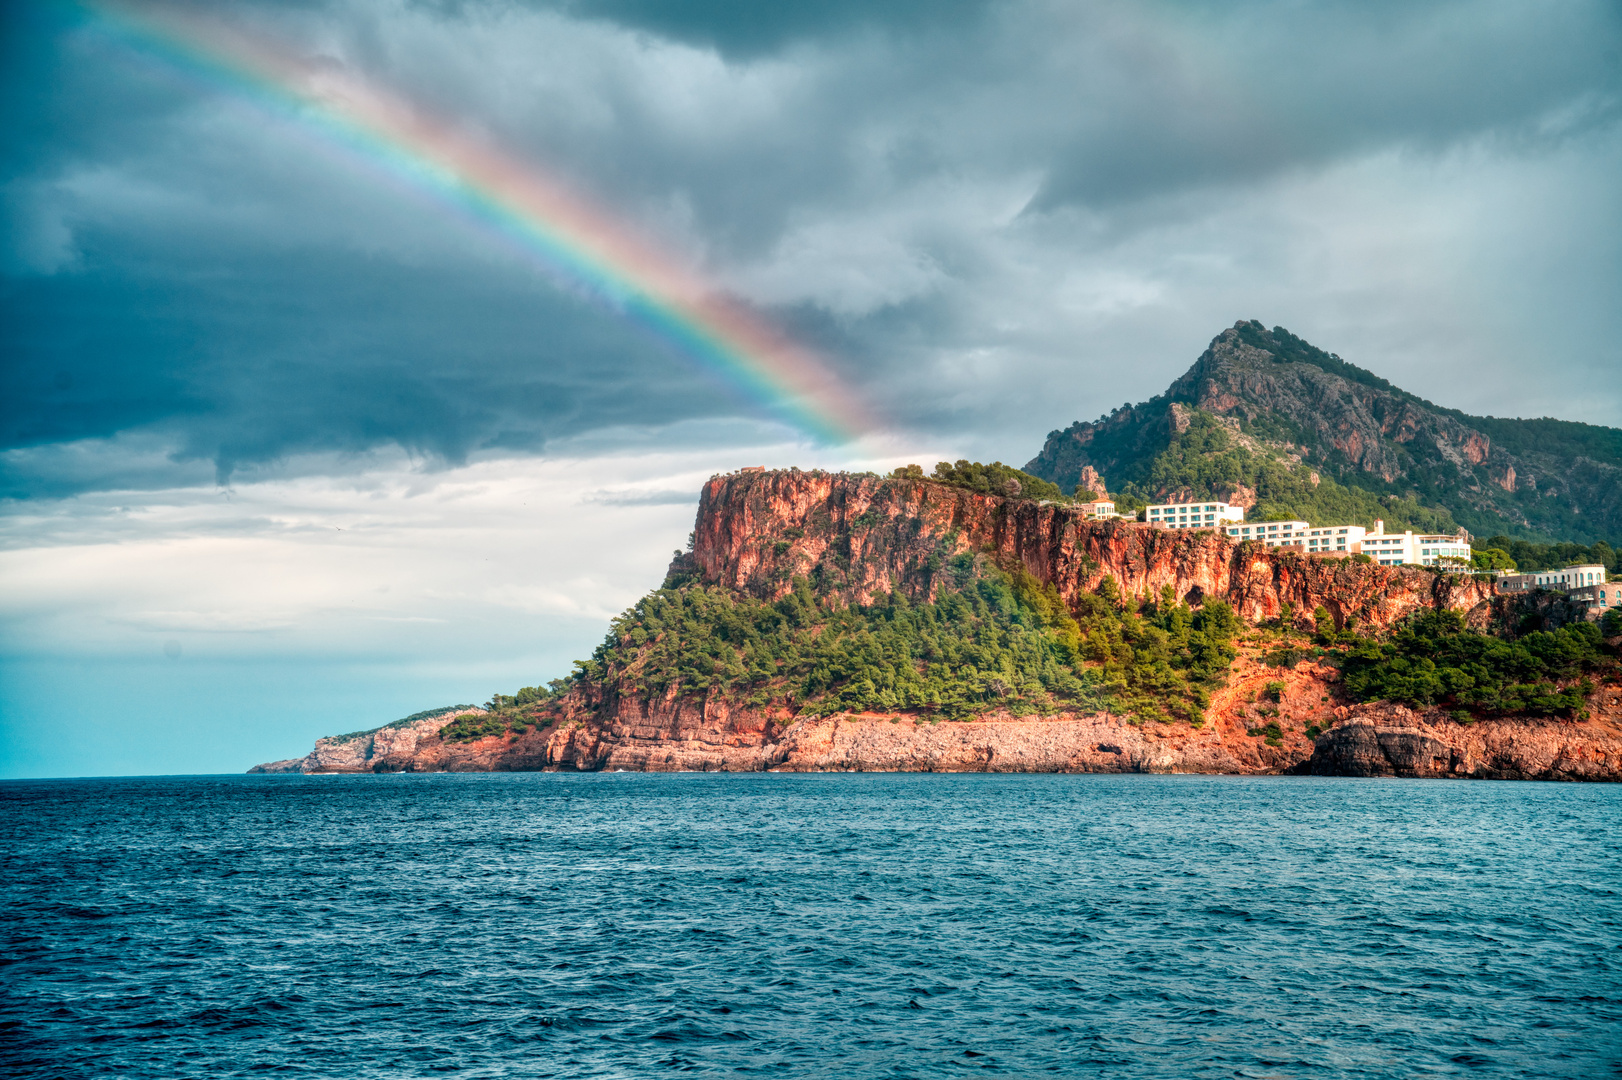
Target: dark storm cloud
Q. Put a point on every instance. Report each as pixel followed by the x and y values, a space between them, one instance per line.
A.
pixel 897 183
pixel 747 29
pixel 345 355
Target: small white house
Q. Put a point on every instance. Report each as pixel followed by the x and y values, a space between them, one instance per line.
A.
pixel 1199 515
pixel 1098 508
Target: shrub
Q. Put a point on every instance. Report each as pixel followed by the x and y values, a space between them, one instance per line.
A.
pixel 997 479
pixel 1433 658
pixel 1272 734
pixel 471 726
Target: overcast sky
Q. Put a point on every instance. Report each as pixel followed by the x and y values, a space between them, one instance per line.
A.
pixel 287 450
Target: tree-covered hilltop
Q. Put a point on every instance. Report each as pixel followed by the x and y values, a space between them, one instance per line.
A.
pixel 1541 480
pixel 993 479
pixel 992 640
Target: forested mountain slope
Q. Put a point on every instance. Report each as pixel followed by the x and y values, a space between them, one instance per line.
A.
pixel 1292 430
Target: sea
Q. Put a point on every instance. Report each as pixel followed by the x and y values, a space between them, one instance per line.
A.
pixel 790 925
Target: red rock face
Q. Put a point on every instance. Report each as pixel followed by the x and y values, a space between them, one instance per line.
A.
pixel 862 537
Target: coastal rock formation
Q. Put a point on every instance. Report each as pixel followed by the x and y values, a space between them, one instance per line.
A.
pixel 599 732
pixel 1389 740
pixel 860 537
pixel 363 751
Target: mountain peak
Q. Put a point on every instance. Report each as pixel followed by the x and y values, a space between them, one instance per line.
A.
pixel 1286 405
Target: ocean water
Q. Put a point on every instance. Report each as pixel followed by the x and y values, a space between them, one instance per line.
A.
pixel 625 925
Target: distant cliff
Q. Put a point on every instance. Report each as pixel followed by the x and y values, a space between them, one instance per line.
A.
pixel 362 751
pixel 1545 478
pixel 860 539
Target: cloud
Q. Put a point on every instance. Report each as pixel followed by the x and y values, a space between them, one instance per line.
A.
pixel 993 219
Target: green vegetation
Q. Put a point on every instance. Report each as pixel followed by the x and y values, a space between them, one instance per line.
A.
pixel 1487 560
pixel 1206 456
pixel 1127 503
pixel 993 479
pixel 1433 658
pixel 402 722
pixel 1573 464
pixel 1528 557
pixel 470 726
pixel 1547 437
pixel 1271 733
pixel 992 639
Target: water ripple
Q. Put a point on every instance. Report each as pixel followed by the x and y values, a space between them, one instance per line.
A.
pixel 554 925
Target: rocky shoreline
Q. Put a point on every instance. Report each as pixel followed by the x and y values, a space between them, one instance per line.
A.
pixel 1369 740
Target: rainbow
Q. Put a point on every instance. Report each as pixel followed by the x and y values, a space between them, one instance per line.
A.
pixel 552 225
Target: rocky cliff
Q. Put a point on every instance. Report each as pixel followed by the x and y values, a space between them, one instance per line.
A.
pixel 1555 478
pixel 860 537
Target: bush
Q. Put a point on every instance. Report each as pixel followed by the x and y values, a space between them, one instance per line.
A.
pixel 1272 734
pixel 1433 658
pixel 1285 656
pixel 997 479
pixel 471 726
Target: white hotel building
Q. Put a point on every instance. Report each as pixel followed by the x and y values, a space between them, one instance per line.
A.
pixel 1572 577
pixel 1423 549
pixel 1210 515
pixel 1584 582
pixel 1272 533
pixel 1387 549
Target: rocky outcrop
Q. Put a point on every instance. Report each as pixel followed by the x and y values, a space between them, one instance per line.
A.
pixel 1389 740
pixel 363 751
pixel 1560 478
pixel 861 537
pixel 286 765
